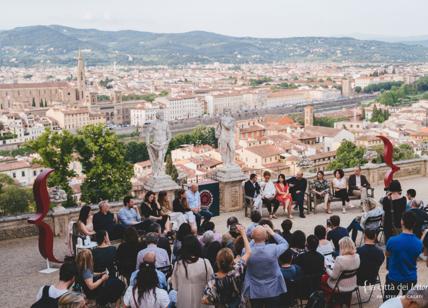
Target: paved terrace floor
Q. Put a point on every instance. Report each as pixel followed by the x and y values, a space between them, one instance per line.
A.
pixel 20 260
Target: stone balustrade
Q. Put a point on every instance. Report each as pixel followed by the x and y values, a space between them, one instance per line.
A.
pixel 17 227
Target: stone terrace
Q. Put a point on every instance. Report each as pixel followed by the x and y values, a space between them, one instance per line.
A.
pixel 20 260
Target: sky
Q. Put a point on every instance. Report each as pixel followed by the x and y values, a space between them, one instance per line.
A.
pixel 258 18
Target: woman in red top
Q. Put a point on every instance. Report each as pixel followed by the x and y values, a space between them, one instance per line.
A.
pixel 283 195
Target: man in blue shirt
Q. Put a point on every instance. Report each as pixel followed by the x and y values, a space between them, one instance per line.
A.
pixel 264 283
pixel 129 215
pixel 336 232
pixel 194 202
pixel 402 252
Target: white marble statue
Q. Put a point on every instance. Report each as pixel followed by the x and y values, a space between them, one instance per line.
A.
pixel 225 133
pixel 158 136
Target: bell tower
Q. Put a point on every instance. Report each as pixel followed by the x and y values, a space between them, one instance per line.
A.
pixel 81 78
pixel 309 115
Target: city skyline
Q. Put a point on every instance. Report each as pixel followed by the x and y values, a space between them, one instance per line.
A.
pixel 361 19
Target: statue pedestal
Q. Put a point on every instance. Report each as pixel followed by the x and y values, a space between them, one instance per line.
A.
pixel 160 183
pixel 231 189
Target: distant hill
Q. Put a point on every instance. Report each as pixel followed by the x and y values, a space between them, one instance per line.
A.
pixel 58 45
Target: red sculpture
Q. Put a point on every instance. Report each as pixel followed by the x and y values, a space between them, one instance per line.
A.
pixel 41 197
pixel 388 151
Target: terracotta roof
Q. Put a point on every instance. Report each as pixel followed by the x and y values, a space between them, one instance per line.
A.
pixel 34 85
pixel 16 164
pixel 253 128
pixel 322 131
pixel 265 150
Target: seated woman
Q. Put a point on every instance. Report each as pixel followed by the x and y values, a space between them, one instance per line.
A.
pixel 348 260
pixel 322 190
pixel 176 218
pixel 126 255
pixel 150 209
pixel 180 205
pixel 371 209
pixel 97 286
pixel 340 188
pixel 146 293
pixel 224 287
pixel 283 195
pixel 84 224
pixel 104 255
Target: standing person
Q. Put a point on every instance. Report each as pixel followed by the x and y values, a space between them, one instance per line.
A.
pixel 358 184
pixel 283 195
pixel 151 210
pixel 322 190
pixel 190 274
pixel 298 185
pixel 106 220
pixel 224 287
pixel 268 193
pixel 146 291
pixel 85 222
pixel 129 215
pixel 98 286
pixel 50 294
pixel 194 201
pixel 394 206
pixel 371 259
pixel 340 188
pixel 263 282
pixel 336 232
pixel 371 209
pixel 252 191
pixel 402 252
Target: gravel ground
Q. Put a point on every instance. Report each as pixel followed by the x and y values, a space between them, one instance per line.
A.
pixel 20 260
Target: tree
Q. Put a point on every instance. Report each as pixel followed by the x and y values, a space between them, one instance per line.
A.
pixel 108 175
pixel 199 135
pixel 33 103
pixel 347 155
pixel 163 93
pixel 357 89
pixel 379 115
pixel 401 152
pixel 46 103
pixel 15 200
pixel 170 168
pixel 55 150
pixel 41 102
pixel 136 152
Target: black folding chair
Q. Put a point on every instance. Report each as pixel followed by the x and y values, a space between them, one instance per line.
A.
pixel 374 220
pixel 338 295
pixel 372 284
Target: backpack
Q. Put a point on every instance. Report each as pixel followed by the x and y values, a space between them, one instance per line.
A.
pixel 316 300
pixel 45 301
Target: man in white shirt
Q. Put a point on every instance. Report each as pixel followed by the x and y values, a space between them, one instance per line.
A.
pixel 67 273
pixel 268 193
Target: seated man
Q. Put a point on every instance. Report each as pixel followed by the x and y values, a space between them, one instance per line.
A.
pixel 129 216
pixel 311 262
pixel 150 258
pixel 194 202
pixel 358 184
pixel 49 295
pixel 371 258
pixel 106 220
pixel 252 192
pixel 268 193
pixel 298 185
pixel 336 232
pixel 162 258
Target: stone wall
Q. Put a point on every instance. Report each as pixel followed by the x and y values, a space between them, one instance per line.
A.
pixel 17 226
